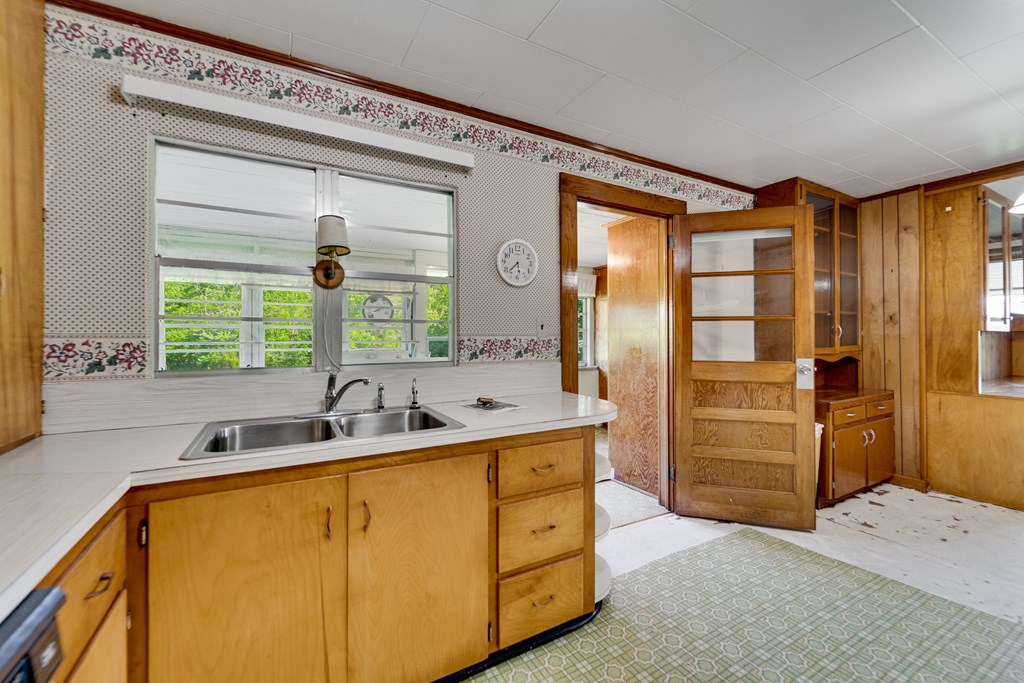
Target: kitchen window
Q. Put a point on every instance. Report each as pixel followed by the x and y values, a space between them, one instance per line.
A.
pixel 585 331
pixel 234 242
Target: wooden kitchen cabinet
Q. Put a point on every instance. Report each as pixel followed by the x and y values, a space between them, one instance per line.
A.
pixel 418 570
pixel 239 581
pixel 858 443
pixel 106 658
pixel 837 319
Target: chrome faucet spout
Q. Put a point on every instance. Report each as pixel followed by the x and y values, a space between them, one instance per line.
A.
pixel 380 397
pixel 332 397
pixel 415 396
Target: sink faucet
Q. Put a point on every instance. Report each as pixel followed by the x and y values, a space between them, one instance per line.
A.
pixel 415 396
pixel 380 397
pixel 331 397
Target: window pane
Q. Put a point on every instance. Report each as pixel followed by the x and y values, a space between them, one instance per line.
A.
pixel 765 249
pixel 372 204
pixel 734 295
pixel 743 340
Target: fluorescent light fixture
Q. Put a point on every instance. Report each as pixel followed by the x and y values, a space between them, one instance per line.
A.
pixel 134 87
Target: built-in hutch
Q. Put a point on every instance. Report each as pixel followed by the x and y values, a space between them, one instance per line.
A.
pixel 857 442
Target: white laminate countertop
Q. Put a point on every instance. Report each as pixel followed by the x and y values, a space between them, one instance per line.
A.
pixel 53 489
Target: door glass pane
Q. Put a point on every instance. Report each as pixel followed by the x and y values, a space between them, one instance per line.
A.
pixel 733 295
pixel 743 340
pixel 742 250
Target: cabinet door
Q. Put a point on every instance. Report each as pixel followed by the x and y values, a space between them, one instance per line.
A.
pixel 237 584
pixel 881 450
pixel 849 467
pixel 418 570
pixel 106 658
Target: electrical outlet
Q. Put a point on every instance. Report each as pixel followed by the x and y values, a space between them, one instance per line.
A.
pixel 545 329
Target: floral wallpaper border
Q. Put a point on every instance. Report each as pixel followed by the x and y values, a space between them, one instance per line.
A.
pixel 94 358
pixel 504 349
pixel 72 33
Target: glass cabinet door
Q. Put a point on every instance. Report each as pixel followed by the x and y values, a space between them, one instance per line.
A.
pixel 824 265
pixel 848 277
pixel 996 300
pixel 1017 265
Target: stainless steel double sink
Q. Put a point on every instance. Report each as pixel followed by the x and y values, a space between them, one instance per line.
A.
pixel 219 439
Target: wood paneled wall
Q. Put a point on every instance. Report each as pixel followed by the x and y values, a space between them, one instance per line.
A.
pixel 995 355
pixel 973 441
pixel 21 221
pixel 891 309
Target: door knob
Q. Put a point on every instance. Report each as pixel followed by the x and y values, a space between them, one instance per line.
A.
pixel 804 369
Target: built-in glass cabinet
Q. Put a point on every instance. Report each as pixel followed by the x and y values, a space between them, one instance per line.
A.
pixel 837 319
pixel 1004 263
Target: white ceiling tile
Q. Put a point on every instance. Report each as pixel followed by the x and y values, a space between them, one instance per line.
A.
pixel 625 108
pixel 677 159
pixel 500 105
pixel 329 55
pixel 968 26
pixel 963 123
pixel 519 18
pixel 211 21
pixel 754 93
pixel 901 79
pixel 899 162
pixel 381 29
pixel 643 41
pixel 805 36
pixel 1000 66
pixel 811 168
pixel 931 177
pixel 990 154
pixel 860 186
pixel 457 49
pixel 838 135
pixel 729 146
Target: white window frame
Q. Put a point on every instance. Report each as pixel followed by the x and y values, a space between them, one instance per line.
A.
pixel 253 330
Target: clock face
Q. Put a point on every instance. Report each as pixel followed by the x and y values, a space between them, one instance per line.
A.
pixel 517 262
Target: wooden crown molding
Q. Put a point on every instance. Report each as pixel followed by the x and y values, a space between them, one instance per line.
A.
pixel 252 51
pixel 987 175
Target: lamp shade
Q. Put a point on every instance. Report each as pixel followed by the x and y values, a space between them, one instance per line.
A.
pixel 1018 206
pixel 332 236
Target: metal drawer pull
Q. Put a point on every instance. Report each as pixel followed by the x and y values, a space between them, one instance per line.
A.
pixel 551 527
pixel 851 415
pixel 872 433
pixel 882 406
pixel 551 599
pixel 366 511
pixel 330 509
pixel 865 435
pixel 543 470
pixel 106 578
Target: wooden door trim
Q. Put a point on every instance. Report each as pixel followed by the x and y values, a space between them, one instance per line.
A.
pixel 573 189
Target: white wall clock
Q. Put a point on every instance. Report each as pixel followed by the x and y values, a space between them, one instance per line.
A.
pixel 517 262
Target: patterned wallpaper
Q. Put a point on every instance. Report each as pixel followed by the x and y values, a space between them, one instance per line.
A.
pixel 97 155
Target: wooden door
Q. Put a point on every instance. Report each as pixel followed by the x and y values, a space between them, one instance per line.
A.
pixel 418 570
pixel 248 585
pixel 849 464
pixel 21 221
pixel 105 660
pixel 744 304
pixel 881 450
pixel 637 349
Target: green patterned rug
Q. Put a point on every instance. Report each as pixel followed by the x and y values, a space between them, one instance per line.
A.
pixel 749 607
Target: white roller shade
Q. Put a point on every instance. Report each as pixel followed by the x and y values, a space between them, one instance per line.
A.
pixel 587 286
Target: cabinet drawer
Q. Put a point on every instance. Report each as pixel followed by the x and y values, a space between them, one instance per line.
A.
pixel 544 466
pixel 876 408
pixel 91 585
pixel 537 600
pixel 847 415
pixel 106 658
pixel 539 528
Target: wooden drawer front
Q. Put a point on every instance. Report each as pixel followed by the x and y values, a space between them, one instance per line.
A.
pixel 534 468
pixel 847 415
pixel 539 528
pixel 91 585
pixel 537 600
pixel 876 408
